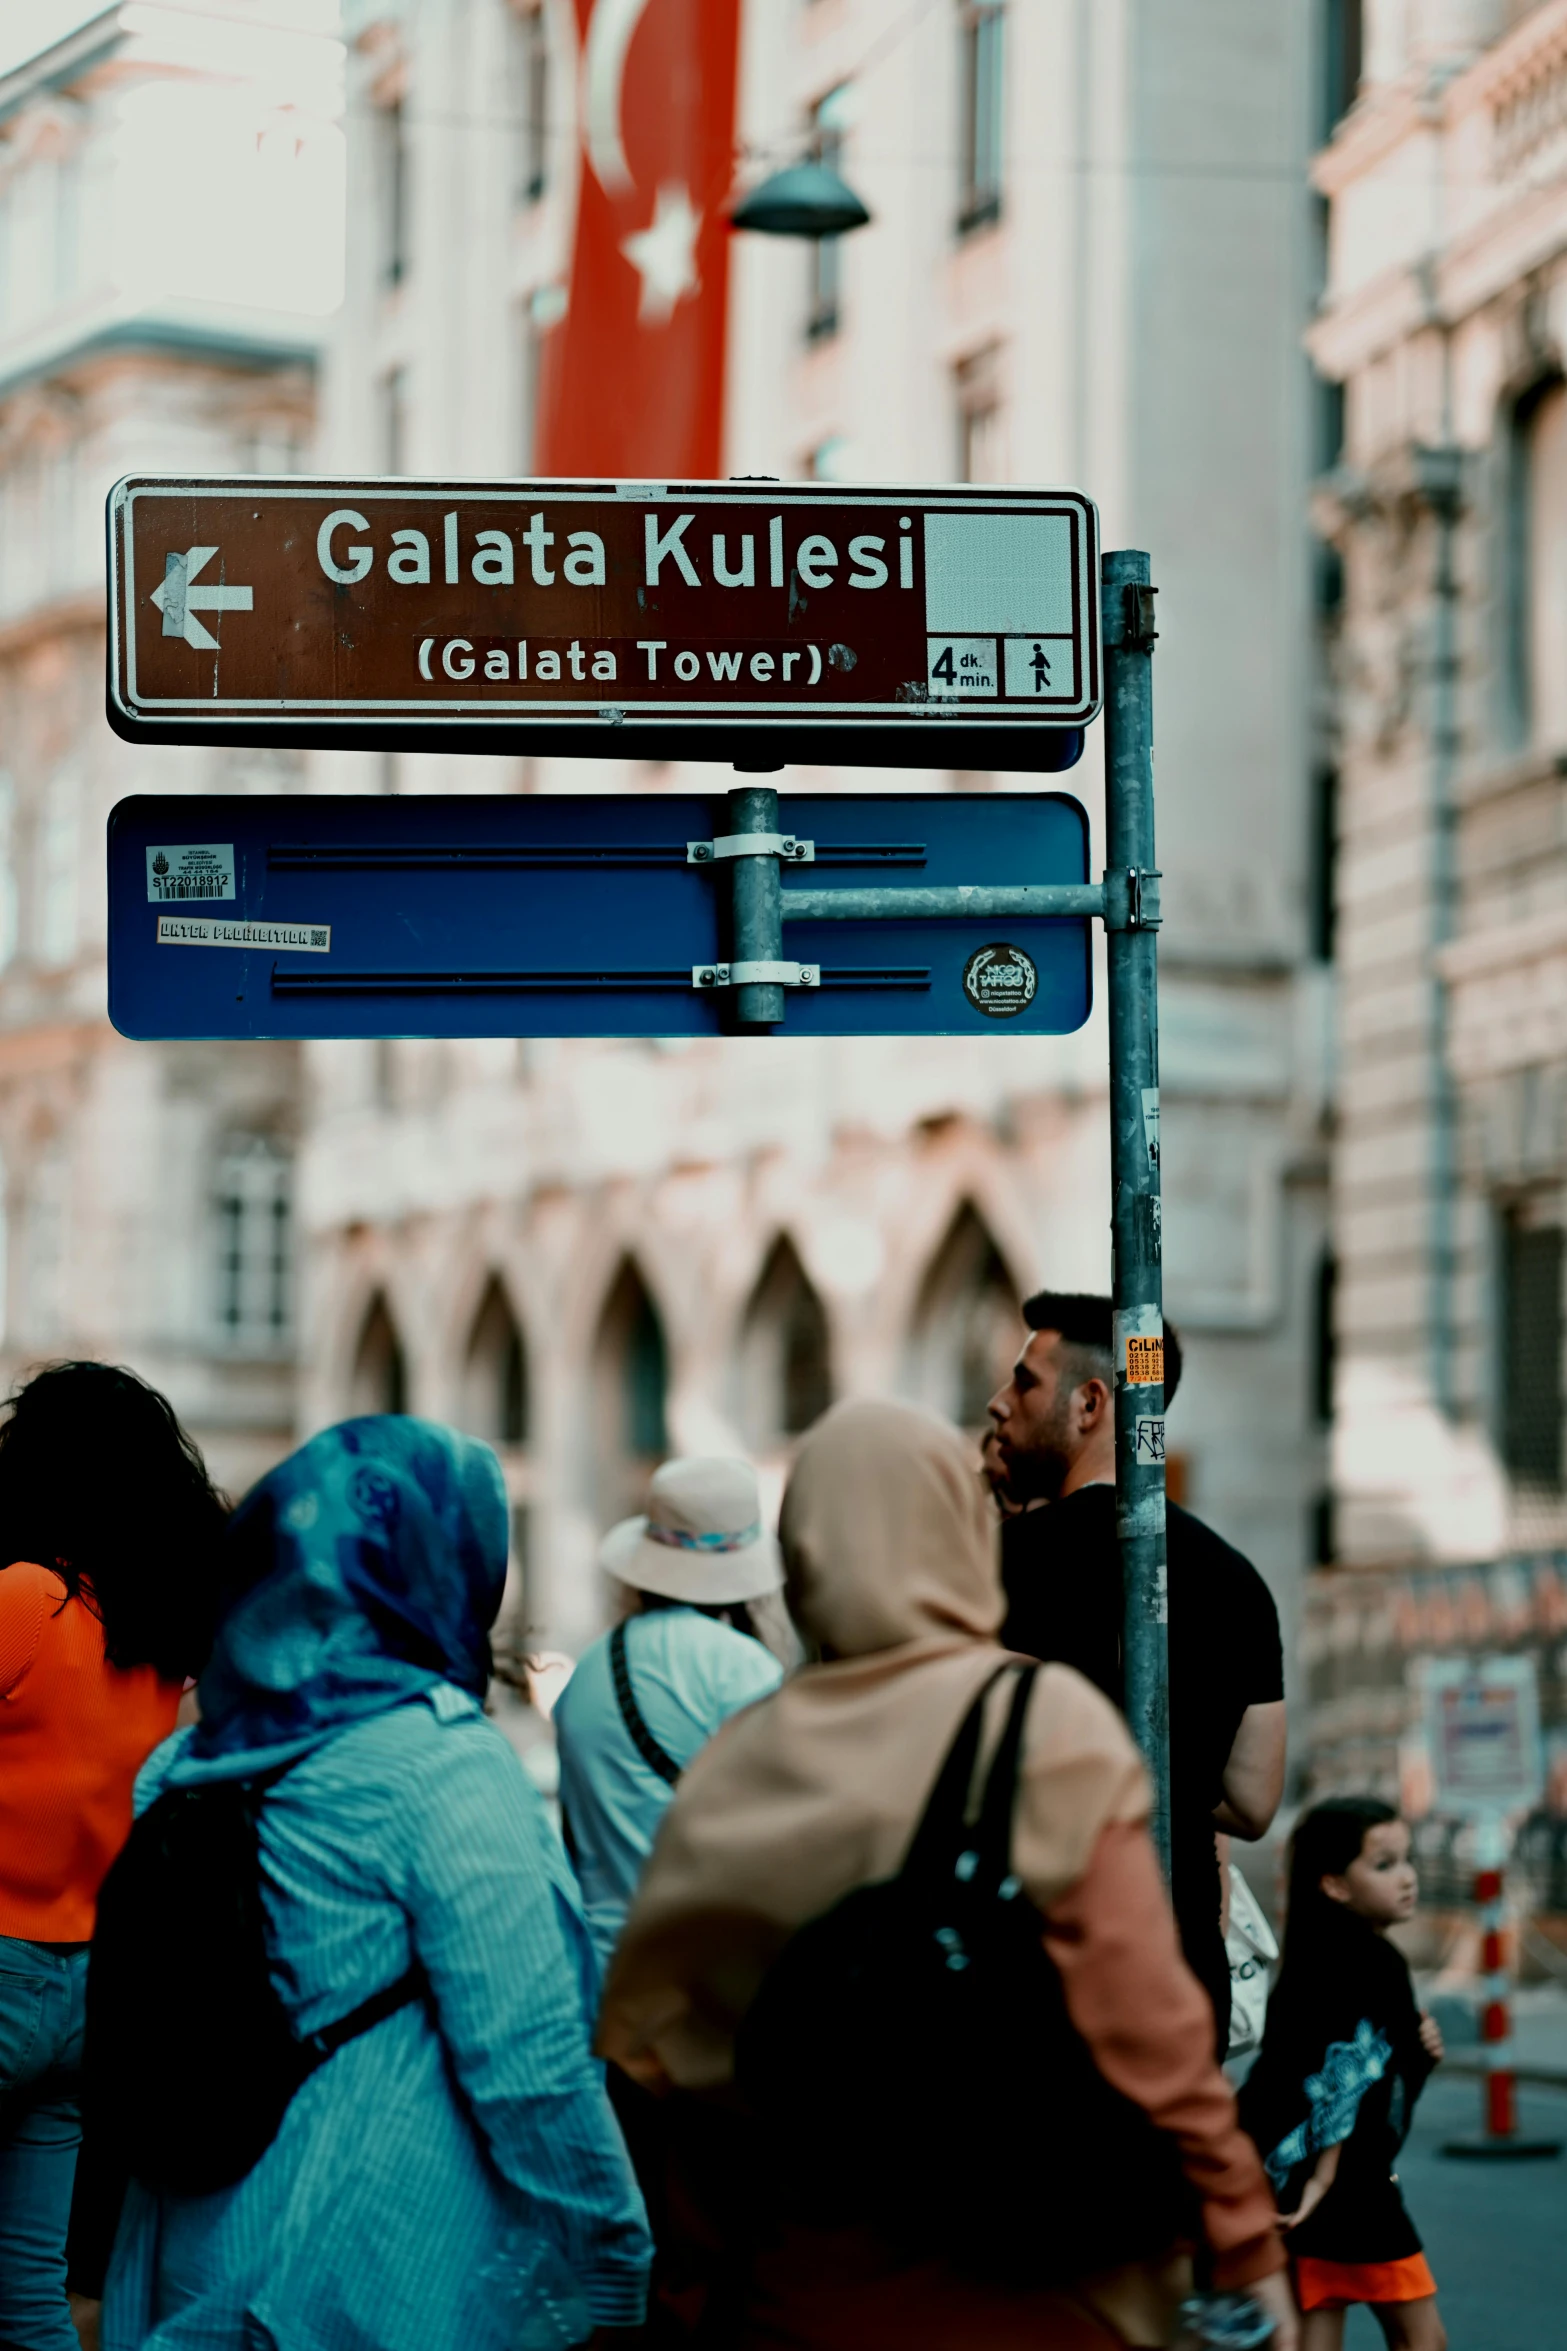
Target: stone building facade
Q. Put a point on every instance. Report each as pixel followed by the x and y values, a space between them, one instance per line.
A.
pixel 1090 260
pixel 1444 324
pixel 147 1192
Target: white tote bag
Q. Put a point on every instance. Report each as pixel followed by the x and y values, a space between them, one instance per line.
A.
pixel 1251 1950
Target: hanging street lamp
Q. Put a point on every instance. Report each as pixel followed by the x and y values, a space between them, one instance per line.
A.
pixel 804 200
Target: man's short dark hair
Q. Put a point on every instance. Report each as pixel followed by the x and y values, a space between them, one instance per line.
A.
pixel 1084 1319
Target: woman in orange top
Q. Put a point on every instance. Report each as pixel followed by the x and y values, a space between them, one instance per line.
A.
pixel 111 1528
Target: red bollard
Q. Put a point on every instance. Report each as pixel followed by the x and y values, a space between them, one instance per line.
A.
pixel 1496 2016
pixel 1500 2134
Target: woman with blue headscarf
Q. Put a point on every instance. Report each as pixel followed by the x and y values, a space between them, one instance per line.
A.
pixel 452 2179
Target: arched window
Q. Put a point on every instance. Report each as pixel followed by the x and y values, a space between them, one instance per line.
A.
pixel 495 1374
pixel 380 1377
pixel 785 1361
pixel 630 1378
pixel 967 1324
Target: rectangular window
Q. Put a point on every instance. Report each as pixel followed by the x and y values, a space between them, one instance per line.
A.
pixel 1324 1341
pixel 67 225
pixel 8 889
pixel 46 1252
pixel 530 88
pixel 59 856
pixel 391 163
pixel 253 1208
pixel 1530 1299
pixel 1329 402
pixel 394 420
pixel 982 96
pixel 824 300
pixel 528 358
pixel 1343 41
pixel 1535 592
pixel 1323 908
pixel 981 419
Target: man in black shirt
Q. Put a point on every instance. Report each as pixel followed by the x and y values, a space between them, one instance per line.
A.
pixel 1054 1446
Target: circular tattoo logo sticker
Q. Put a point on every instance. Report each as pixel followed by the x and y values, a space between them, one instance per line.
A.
pixel 1000 981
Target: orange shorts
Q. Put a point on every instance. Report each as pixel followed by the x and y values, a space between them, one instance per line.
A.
pixel 1333 2285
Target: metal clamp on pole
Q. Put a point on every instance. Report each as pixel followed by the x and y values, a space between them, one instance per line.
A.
pixel 1132 898
pixel 756 975
pixel 1138 634
pixel 780 845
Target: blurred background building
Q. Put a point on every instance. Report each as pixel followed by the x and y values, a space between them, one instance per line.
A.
pixel 1089 260
pixel 170 187
pixel 1443 504
pixel 1100 251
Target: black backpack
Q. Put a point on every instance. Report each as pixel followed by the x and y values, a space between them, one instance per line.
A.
pixel 189 2060
pixel 911 2055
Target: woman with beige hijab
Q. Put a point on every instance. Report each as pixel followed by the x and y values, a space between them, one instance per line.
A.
pixel 816 1792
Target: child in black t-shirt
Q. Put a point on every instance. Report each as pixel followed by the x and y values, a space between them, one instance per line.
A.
pixel 1345 2054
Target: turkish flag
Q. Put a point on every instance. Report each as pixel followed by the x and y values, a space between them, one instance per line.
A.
pixel 631 380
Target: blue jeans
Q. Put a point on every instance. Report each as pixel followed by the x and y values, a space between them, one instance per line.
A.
pixel 43 1991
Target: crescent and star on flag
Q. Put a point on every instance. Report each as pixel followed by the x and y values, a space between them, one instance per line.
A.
pixel 664 253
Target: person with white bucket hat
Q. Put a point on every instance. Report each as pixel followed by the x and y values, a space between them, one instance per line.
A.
pixel 647 1695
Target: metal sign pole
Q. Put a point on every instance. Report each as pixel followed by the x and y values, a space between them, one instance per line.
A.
pixel 1131 926
pixel 757 905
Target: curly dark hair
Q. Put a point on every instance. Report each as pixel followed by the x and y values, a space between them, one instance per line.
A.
pixel 99 1481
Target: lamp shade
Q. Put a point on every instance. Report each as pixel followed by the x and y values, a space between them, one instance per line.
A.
pixel 806 200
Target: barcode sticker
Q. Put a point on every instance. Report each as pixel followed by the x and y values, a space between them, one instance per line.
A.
pixel 286 938
pixel 189 872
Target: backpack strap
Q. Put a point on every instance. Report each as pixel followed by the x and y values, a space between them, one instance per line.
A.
pixel 412 1985
pixel 652 1754
pixel 940 1836
pixel 256 1784
pixel 992 1841
pixel 318 2047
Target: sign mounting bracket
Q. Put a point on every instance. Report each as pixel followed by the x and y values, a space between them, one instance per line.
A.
pixel 752 975
pixel 780 845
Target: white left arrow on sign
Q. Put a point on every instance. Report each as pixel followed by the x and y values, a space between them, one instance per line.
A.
pixel 179 601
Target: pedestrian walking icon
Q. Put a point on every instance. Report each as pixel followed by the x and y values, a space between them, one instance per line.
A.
pixel 1038 667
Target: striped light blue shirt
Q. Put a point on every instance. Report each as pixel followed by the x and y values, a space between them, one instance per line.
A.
pixel 688 1674
pixel 453 2180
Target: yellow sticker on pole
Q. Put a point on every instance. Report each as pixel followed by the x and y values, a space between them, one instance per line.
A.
pixel 1144 1362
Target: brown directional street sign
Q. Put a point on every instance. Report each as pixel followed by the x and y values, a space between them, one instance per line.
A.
pixel 756 621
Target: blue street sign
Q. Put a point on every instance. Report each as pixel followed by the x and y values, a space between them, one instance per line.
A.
pixel 573 916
